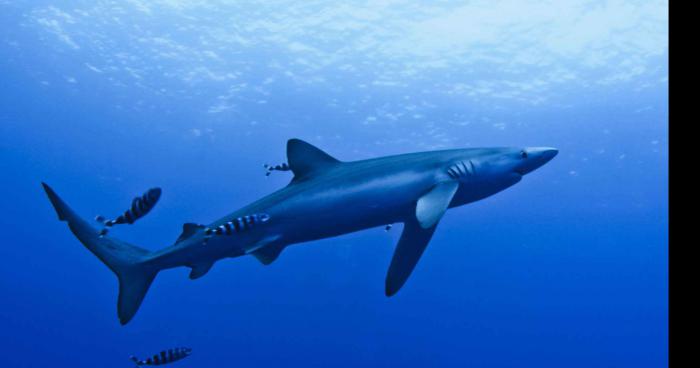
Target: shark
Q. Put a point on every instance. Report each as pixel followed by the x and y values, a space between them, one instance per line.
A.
pixel 325 198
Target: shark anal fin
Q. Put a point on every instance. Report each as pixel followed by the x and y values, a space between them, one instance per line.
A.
pixel 432 205
pixel 200 269
pixel 305 159
pixel 414 240
pixel 268 254
pixel 188 229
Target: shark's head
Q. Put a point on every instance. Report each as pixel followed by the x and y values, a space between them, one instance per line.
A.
pixel 530 159
pixel 487 171
pixel 518 161
pixel 489 164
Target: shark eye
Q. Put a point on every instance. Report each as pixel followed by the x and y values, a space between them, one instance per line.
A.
pixel 523 154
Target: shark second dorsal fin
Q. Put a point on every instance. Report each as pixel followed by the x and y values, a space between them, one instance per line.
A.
pixel 305 159
pixel 188 229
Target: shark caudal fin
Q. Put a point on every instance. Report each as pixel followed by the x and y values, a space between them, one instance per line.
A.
pixel 125 260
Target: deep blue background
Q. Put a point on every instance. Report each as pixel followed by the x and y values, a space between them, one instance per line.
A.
pixel 566 269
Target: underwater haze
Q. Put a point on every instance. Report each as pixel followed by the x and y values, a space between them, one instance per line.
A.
pixel 105 99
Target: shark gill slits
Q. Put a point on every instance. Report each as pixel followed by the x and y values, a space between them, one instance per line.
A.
pixel 462 170
pixel 466 170
pixel 451 172
pixel 281 167
pixel 237 225
pixel 140 206
pixel 454 172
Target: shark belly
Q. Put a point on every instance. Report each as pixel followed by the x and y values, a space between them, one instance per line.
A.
pixel 339 207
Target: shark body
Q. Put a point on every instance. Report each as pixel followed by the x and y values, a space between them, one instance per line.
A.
pixel 326 198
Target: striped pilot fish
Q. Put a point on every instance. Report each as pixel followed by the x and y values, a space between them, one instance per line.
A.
pixel 281 167
pixel 164 357
pixel 238 225
pixel 140 206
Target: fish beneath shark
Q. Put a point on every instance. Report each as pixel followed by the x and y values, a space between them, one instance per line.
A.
pixel 341 197
pixel 163 357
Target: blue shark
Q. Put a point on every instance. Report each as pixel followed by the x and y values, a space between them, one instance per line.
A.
pixel 326 198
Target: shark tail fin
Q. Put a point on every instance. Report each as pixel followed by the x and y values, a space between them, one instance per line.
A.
pixel 127 261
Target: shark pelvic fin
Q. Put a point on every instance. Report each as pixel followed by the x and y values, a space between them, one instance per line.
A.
pixel 268 254
pixel 267 250
pixel 188 229
pixel 305 159
pixel 200 269
pixel 432 205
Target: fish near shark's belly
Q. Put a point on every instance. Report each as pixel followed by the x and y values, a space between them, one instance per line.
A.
pixel 342 206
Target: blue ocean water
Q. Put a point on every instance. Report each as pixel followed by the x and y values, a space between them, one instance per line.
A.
pixel 104 99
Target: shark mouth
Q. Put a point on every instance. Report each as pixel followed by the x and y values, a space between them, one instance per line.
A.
pixel 462 169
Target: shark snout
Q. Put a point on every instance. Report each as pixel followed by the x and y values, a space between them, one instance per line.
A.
pixel 534 158
pixel 542 153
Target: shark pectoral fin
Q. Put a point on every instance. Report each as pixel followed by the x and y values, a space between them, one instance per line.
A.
pixel 200 269
pixel 417 233
pixel 432 205
pixel 408 251
pixel 268 254
pixel 305 159
pixel 188 229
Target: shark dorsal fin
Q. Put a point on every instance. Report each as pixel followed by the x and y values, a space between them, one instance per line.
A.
pixel 188 229
pixel 305 159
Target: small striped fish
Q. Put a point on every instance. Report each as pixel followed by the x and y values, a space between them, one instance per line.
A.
pixel 239 224
pixel 281 167
pixel 140 206
pixel 164 357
